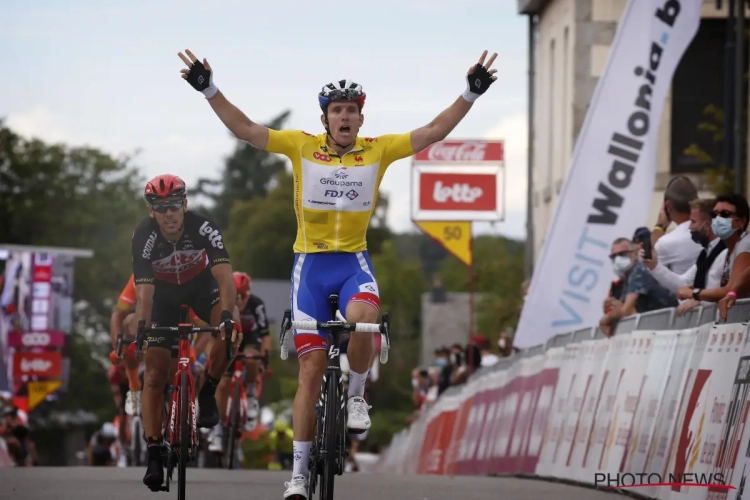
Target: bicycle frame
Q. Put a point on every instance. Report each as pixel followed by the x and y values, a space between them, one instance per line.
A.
pixel 328 451
pixel 181 429
pixel 183 366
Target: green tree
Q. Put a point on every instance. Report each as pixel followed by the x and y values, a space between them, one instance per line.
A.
pixel 498 274
pixel 72 197
pixel 261 232
pixel 401 284
pixel 248 173
pixel 80 197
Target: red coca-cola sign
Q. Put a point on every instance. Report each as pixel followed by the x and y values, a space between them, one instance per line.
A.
pixel 457 192
pixel 462 151
pixel 39 364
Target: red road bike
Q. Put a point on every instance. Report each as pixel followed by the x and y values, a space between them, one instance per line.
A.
pixel 181 441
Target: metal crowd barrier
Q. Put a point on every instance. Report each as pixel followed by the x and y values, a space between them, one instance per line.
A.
pixel 658 320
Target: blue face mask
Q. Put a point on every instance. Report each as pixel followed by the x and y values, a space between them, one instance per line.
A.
pixel 722 227
pixel 441 361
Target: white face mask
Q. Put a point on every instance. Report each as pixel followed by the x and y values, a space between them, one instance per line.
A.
pixel 501 343
pixel 621 265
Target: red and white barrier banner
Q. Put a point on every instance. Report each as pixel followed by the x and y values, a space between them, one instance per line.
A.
pixel 660 413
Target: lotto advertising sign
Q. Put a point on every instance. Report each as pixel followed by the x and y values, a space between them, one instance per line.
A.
pixel 459 181
pixel 453 184
pixel 39 364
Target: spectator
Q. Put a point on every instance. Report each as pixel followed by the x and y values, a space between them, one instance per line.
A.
pixel 730 218
pixel 677 250
pixel 15 432
pixel 640 291
pixel 504 344
pixel 525 288
pixel 487 357
pixel 707 270
pixel 100 446
pixel 444 360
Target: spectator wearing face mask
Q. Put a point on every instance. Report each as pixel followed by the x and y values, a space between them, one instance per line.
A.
pixel 640 292
pixel 677 250
pixel 708 268
pixel 487 357
pixel 730 218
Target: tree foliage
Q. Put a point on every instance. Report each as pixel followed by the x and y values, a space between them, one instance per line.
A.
pixel 248 174
pixel 498 274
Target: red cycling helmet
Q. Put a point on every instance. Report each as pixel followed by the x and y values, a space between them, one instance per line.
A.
pixel 164 186
pixel 241 282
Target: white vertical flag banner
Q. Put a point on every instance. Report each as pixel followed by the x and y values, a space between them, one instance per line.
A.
pixel 609 185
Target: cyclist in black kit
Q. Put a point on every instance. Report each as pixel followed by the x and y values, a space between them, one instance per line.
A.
pixel 255 340
pixel 178 258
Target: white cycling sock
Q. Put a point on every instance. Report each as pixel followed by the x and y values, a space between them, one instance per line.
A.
pixel 357 383
pixel 301 458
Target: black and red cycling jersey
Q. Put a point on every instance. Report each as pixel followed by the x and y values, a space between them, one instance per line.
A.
pixel 253 317
pixel 155 259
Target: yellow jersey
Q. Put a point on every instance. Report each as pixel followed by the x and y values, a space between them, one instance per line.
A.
pixel 335 197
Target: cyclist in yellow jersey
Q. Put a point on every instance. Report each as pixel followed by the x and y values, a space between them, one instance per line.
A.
pixel 336 180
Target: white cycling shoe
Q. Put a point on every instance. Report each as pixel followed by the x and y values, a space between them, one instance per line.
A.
pixel 132 402
pixel 253 410
pixel 296 489
pixel 358 417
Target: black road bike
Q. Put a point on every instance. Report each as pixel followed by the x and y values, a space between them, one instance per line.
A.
pixel 328 453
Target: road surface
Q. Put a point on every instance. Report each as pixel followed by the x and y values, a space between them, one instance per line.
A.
pixel 112 483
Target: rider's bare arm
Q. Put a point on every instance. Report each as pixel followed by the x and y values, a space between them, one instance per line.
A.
pixel 143 272
pixel 238 123
pixel 227 290
pixel 265 344
pixel 115 323
pixel 478 78
pixel 439 128
pixel 144 306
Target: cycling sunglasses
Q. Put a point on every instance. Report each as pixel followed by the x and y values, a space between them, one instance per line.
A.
pixel 726 214
pixel 162 206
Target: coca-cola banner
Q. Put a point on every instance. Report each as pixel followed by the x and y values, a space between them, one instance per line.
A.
pixel 609 184
pixel 459 181
pixel 660 413
pixel 37 364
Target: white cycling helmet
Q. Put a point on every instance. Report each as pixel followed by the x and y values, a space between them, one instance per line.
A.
pixel 108 430
pixel 343 90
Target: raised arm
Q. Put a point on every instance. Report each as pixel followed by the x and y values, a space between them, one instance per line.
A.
pixel 478 80
pixel 200 76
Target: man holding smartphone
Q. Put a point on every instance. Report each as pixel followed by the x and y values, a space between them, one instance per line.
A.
pixel 639 293
pixel 676 249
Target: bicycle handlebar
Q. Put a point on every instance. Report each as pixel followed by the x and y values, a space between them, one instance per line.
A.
pixel 184 329
pixel 339 325
pixel 329 325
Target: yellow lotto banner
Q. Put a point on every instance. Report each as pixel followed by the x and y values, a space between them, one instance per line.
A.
pixel 40 389
pixel 454 236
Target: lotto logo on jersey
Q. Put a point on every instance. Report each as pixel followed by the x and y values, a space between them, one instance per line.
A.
pixel 212 235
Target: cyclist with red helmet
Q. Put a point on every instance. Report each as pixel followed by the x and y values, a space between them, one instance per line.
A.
pixel 255 337
pixel 336 179
pixel 179 258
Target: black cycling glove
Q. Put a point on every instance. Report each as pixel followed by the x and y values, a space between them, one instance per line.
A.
pixel 202 79
pixel 477 83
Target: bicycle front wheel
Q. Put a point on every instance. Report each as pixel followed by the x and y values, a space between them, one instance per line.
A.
pixel 185 444
pixel 330 452
pixel 233 428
